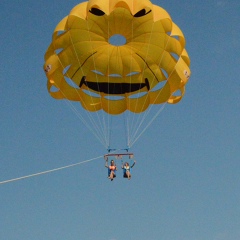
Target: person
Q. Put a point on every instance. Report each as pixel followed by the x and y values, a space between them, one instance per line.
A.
pixel 127 170
pixel 112 168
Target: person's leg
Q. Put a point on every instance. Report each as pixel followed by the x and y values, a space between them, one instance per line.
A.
pixel 128 175
pixel 112 175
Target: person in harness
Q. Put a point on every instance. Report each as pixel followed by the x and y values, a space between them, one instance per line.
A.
pixel 112 168
pixel 127 170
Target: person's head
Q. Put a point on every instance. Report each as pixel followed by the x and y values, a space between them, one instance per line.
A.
pixel 126 164
pixel 112 162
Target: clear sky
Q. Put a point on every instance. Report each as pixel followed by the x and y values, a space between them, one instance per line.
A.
pixel 185 184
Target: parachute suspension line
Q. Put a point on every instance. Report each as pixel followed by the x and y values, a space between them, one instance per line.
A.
pixel 130 117
pixel 100 123
pixel 125 119
pixel 109 117
pixel 97 132
pixel 49 171
pixel 93 123
pixel 141 118
pixel 101 118
pixel 140 121
pixel 109 132
pixel 135 138
pixel 126 123
pixel 141 133
pixel 131 120
pixel 127 114
pixel 162 107
pixel 77 112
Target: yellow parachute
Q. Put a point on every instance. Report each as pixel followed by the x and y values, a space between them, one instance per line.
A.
pixel 151 66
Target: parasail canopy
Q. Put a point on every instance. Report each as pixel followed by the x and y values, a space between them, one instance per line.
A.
pixel 149 66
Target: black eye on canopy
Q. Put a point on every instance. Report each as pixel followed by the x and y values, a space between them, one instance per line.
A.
pixel 96 12
pixel 141 13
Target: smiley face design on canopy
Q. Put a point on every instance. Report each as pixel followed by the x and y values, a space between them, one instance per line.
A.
pixel 149 66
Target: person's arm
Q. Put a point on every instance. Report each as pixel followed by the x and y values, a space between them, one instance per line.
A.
pixel 106 163
pixel 133 163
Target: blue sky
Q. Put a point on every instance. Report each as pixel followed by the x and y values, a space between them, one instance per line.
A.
pixel 186 182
